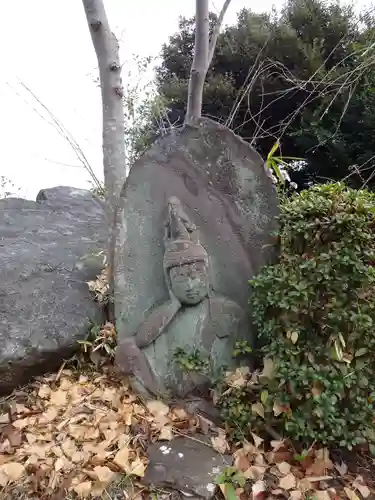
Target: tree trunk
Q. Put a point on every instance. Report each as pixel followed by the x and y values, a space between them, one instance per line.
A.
pixel 107 52
pixel 203 53
pixel 200 62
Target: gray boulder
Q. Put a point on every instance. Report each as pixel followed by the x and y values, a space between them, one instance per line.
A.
pixel 189 466
pixel 45 306
pixel 205 178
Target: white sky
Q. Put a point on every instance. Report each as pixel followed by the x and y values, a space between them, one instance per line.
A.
pixel 46 45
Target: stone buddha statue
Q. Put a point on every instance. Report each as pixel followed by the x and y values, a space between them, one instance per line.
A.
pixel 192 319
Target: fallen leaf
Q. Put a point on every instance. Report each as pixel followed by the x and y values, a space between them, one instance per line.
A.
pixel 13 435
pixel 342 468
pixel 83 490
pixel 137 468
pixel 105 475
pixel 241 463
pixel 13 471
pixel 166 433
pixel 44 391
pixel 351 494
pixel 122 458
pixel 277 444
pixel 58 397
pixel 258 409
pixel 257 440
pixel 295 494
pixel 255 472
pixel 258 488
pixel 97 489
pixel 284 468
pixel 49 415
pixel 238 378
pixel 21 423
pixel 288 482
pixel 157 408
pixel 359 485
pixel 304 485
pixel 219 443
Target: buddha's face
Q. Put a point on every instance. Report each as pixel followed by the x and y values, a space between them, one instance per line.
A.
pixel 190 282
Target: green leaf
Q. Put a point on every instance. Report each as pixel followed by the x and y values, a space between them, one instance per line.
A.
pixel 264 397
pixel 274 148
pixel 230 492
pixel 362 351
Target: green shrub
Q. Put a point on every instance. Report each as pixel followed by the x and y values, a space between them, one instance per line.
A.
pixel 315 312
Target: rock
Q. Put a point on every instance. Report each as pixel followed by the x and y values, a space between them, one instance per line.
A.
pixel 185 465
pixel 45 306
pixel 200 195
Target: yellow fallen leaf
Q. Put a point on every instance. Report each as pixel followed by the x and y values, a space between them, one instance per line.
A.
pixel 342 468
pixel 219 443
pixel 284 468
pixel 49 415
pixel 22 423
pixel 3 479
pixel 295 494
pixel 4 418
pixel 304 485
pixel 258 409
pixel 58 398
pixel 257 440
pixel 255 472
pixel 83 490
pixel 137 468
pixel 63 464
pixel 80 457
pixel 166 433
pixel 44 391
pixel 69 447
pixel 351 494
pixel 288 482
pixel 157 408
pixel 13 471
pixel 359 485
pixel 258 488
pixel 105 475
pixel 122 458
pixel 238 378
pixel 98 489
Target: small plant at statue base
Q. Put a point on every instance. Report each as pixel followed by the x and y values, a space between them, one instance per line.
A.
pixel 100 345
pixel 229 481
pixel 192 362
pixel 241 348
pixel 315 312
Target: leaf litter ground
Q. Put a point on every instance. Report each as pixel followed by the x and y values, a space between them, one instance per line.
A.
pixel 73 435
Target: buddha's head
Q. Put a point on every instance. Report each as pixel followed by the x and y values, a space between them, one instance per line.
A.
pixel 187 265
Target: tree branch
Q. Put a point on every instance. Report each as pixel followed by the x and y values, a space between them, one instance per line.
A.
pixel 203 53
pixel 216 31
